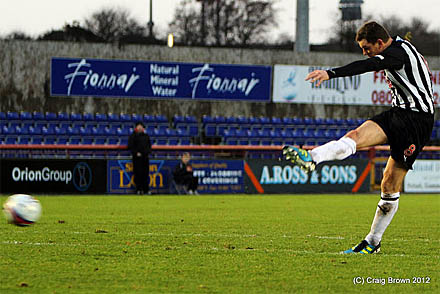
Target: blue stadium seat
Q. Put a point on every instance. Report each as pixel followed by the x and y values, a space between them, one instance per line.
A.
pixel 136 117
pixel 74 130
pixel 240 133
pixel 309 133
pixel 266 142
pixel 264 120
pixel 50 116
pixel 37 140
pixel 159 132
pixel 11 115
pixel 231 120
pixel 329 121
pixel 287 121
pixel 193 130
pixel 2 115
pixel 60 131
pixel 63 116
pixel 37 116
pixel 24 130
pixel 124 131
pixel 113 117
pixel 24 140
pixel 5 130
pixel 62 140
pixel 231 141
pixel 24 115
pixel 254 142
pixel 99 130
pixel 308 121
pixel 75 140
pixel 37 130
pixel 76 117
pixel 170 132
pixel 178 119
pixel 173 141
pixel 190 119
pixel 124 117
pixel 263 133
pixel 243 141
pixel 159 118
pixel 319 121
pixel 276 121
pixel 277 142
pixel 111 131
pixel 86 131
pixel 275 134
pixel 49 140
pixel 242 120
pixel 48 131
pixel 86 140
pixel 88 117
pixel 28 123
pixel 207 119
pixel 11 139
pixel 219 119
pixel 182 133
pixel 113 141
pixel 185 141
pixel 100 117
pixel 148 119
pixel 123 141
pixel 162 141
pixel 298 133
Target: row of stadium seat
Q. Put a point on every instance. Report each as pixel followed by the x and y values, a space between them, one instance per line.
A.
pixel 100 130
pixel 242 120
pixel 87 140
pixel 24 126
pixel 99 117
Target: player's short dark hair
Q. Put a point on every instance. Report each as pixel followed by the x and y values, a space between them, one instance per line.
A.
pixel 371 32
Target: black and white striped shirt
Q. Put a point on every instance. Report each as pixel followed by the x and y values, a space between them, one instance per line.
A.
pixel 407 73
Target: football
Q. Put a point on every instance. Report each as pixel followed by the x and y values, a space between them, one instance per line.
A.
pixel 22 209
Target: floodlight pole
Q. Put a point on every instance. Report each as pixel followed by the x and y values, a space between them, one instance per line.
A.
pixel 302 26
pixel 151 23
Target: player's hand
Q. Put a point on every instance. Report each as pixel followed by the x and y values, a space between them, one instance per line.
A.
pixel 317 76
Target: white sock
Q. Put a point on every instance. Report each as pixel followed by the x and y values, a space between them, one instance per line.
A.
pixel 334 150
pixel 385 211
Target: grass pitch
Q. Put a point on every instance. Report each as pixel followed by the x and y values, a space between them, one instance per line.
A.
pixel 220 244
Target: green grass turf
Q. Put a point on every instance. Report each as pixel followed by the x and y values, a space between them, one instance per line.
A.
pixel 218 244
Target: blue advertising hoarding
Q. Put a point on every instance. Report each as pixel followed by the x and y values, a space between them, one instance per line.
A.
pixel 147 79
pixel 215 176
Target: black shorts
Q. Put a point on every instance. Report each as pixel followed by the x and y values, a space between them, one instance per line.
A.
pixel 407 132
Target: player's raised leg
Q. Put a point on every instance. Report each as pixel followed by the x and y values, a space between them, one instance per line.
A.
pixel 366 135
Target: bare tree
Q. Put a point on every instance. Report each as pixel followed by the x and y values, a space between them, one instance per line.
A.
pixel 427 42
pixel 112 24
pixel 223 22
pixel 18 35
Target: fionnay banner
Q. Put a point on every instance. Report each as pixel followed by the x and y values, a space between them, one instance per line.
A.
pixel 147 79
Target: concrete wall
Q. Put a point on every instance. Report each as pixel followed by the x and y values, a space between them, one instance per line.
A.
pixel 25 74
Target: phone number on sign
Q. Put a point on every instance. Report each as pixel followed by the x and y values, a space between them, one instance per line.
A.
pixel 383 97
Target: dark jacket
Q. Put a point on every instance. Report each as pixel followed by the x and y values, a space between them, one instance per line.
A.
pixel 139 142
pixel 180 171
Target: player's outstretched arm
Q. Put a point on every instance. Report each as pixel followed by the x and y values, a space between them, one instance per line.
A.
pixel 317 75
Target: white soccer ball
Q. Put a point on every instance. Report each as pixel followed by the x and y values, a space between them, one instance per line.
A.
pixel 22 209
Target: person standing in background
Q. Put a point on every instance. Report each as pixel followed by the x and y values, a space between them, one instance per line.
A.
pixel 140 146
